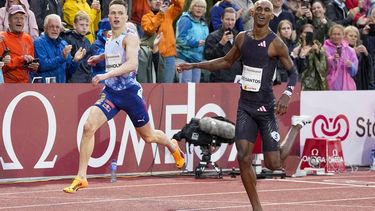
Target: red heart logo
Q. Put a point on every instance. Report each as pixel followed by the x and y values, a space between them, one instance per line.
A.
pixel 331 128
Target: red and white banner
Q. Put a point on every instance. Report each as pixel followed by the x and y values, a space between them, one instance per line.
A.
pixel 346 115
pixel 323 153
pixel 41 126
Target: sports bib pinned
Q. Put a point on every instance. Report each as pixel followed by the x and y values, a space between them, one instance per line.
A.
pixel 113 61
pixel 251 78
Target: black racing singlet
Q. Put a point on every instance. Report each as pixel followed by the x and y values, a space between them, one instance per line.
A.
pixel 254 54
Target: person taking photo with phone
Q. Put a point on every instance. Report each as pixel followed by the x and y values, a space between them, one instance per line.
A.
pixel 342 60
pixel 310 60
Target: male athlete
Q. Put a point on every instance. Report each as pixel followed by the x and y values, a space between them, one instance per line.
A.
pixel 259 50
pixel 122 92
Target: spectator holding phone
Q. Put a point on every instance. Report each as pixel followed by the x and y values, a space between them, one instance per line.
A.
pixel 160 19
pixel 20 47
pixel 342 60
pixel 310 60
pixel 219 43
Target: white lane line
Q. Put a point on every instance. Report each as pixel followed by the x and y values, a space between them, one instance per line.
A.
pixel 160 197
pixel 313 203
pixel 326 183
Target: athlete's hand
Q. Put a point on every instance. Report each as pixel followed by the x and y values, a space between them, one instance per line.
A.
pixel 282 105
pixel 99 77
pixel 184 66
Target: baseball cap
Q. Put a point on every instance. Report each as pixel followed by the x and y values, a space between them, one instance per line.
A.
pixel 16 9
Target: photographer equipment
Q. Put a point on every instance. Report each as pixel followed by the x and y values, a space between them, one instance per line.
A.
pixel 166 3
pixel 207 133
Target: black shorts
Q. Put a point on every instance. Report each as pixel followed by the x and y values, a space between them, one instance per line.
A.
pixel 252 118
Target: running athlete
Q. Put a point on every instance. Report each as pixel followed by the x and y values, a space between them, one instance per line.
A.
pixel 122 92
pixel 259 50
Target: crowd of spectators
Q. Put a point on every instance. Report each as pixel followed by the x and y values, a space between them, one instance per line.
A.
pixel 332 42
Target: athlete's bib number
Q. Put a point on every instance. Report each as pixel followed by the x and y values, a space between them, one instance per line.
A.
pixel 113 61
pixel 251 78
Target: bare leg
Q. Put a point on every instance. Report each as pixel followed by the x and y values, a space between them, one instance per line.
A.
pixel 95 120
pixel 288 141
pixel 150 135
pixel 248 176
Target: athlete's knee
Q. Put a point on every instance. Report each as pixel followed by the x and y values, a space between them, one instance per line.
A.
pixel 244 159
pixel 273 165
pixel 89 129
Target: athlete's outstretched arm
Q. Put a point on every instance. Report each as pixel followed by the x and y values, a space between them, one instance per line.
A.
pixel 220 63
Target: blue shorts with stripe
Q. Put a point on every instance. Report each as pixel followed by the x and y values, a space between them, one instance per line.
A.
pixel 129 100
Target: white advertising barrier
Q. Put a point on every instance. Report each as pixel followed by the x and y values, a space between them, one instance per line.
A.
pixel 348 115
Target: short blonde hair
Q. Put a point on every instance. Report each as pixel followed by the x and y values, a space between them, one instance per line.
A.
pixel 335 26
pixel 81 15
pixel 198 2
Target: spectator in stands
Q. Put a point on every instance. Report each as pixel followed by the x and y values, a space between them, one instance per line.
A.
pixel 20 47
pixel 30 25
pixel 160 19
pixel 217 11
pixel 368 38
pixel 320 22
pixel 280 14
pixel 218 44
pixel 359 9
pixel 286 33
pixel 303 14
pixel 77 39
pixel 42 8
pixel 104 7
pixel 246 15
pixel 365 75
pixel 191 33
pixel 97 47
pixel 139 8
pixel 342 60
pixel 338 13
pixel 70 9
pixel 54 52
pixel 310 60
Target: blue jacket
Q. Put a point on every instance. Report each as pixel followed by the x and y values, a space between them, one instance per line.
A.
pixel 51 60
pixel 188 33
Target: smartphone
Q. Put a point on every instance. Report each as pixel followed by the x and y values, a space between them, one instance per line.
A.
pixel 36 60
pixel 305 3
pixel 309 38
pixel 339 50
pixel 228 32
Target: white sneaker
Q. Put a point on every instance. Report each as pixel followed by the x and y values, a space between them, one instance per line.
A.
pixel 301 120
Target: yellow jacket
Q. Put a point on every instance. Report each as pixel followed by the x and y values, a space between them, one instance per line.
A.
pixel 159 22
pixel 71 7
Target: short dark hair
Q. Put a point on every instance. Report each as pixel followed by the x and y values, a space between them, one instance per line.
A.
pixel 120 2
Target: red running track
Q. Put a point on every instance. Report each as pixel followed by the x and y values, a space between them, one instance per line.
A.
pixel 348 191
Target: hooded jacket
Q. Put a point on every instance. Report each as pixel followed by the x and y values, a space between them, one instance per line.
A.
pixel 340 77
pixel 30 27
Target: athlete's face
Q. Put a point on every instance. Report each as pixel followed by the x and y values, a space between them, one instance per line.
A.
pixel 117 16
pixel 262 12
